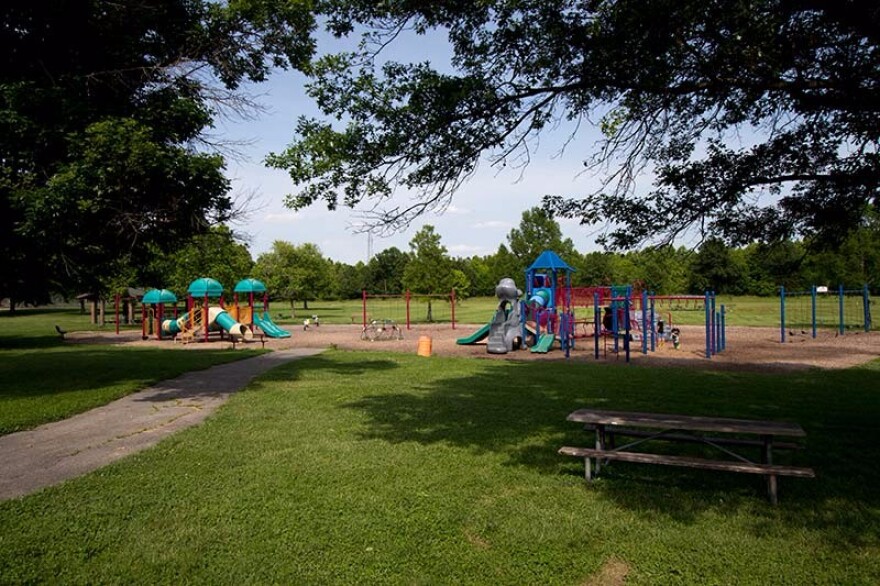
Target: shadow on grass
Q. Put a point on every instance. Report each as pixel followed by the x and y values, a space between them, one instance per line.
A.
pixel 318 362
pixel 519 410
pixel 30 342
pixel 60 370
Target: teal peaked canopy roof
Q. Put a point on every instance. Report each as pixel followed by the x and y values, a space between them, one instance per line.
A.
pixel 549 260
pixel 205 287
pixel 249 286
pixel 159 296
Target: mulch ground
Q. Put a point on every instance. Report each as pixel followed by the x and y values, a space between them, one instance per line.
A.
pixel 747 348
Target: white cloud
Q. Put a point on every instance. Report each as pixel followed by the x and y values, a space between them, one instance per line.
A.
pixel 466 249
pixel 456 211
pixel 492 224
pixel 282 218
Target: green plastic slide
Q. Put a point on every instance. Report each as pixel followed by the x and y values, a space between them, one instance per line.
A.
pixel 265 323
pixel 544 343
pixel 477 336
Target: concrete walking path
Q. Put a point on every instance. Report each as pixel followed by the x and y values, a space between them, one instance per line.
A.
pixel 54 452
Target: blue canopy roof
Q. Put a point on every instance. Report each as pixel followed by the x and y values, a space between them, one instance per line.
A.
pixel 249 286
pixel 205 287
pixel 159 296
pixel 549 260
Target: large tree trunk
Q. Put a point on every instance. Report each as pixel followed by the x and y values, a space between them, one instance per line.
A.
pixel 305 304
pixel 430 312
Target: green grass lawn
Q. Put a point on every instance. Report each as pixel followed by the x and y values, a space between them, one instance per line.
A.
pixel 385 468
pixel 741 311
pixel 43 379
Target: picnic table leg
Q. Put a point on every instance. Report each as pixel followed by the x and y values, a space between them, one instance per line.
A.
pixel 587 472
pixel 767 458
pixel 600 444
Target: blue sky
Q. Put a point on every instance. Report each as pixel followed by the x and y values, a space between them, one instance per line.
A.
pixel 481 214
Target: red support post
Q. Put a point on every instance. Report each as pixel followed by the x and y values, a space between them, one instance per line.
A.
pixel 408 297
pixel 364 306
pixel 143 321
pixel 453 308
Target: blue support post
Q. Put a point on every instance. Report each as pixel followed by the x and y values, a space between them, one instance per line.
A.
pixel 813 296
pixel 644 322
pixel 782 314
pixel 841 325
pixel 626 326
pixel 653 327
pixel 708 309
pixel 714 325
pixel 597 323
pixel 723 328
pixel 615 323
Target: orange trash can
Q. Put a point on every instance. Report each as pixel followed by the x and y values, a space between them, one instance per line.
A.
pixel 424 346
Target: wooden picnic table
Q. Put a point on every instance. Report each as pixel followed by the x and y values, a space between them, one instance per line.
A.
pixel 721 433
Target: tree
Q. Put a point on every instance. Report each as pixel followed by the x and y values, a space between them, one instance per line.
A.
pixel 215 254
pixel 295 272
pixel 103 108
pixel 385 271
pixel 772 265
pixel 669 82
pixel 718 268
pixel 430 269
pixel 349 280
pixel 504 264
pixel 537 232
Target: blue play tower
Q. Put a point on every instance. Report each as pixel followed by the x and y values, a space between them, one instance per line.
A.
pixel 543 278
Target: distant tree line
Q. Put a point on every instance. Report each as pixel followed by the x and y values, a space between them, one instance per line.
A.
pixel 756 269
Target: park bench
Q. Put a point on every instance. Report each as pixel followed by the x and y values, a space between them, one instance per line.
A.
pixel 607 425
pixel 261 338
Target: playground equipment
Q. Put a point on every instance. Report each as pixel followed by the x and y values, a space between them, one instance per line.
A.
pixel 200 318
pixel 400 307
pixel 248 314
pixel 505 329
pixel 620 314
pixel 153 308
pixel 820 307
pixel 477 336
pixel 548 304
pixel 382 329
pixel 625 315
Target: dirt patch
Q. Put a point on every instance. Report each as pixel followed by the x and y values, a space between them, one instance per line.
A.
pixel 612 573
pixel 747 348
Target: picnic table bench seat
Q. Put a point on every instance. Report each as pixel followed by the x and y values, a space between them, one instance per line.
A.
pixel 686 462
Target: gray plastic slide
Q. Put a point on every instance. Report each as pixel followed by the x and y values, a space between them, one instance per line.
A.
pixel 505 331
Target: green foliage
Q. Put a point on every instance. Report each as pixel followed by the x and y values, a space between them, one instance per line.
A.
pixel 102 109
pixel 295 272
pixel 430 268
pixel 718 268
pixel 215 254
pixel 387 468
pixel 349 281
pixel 537 232
pixel 384 272
pixel 670 81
